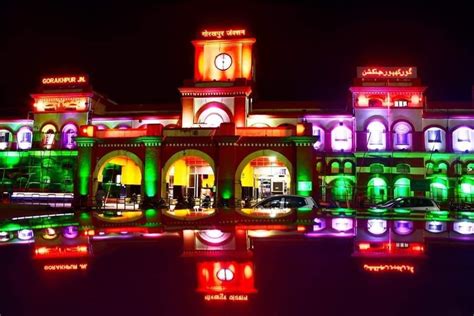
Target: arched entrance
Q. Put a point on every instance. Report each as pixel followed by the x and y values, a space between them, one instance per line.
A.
pixel 263 173
pixel 188 174
pixel 402 188
pixel 119 174
pixel 377 190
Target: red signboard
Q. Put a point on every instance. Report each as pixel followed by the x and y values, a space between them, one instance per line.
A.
pixel 386 72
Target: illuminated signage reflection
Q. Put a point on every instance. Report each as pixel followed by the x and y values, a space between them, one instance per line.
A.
pixel 381 268
pixel 65 267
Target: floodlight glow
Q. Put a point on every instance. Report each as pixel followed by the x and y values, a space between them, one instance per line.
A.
pixel 403 227
pixel 464 227
pixel 342 224
pixel 377 226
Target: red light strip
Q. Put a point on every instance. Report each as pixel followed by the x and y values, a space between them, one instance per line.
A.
pixel 402 268
pixel 61 252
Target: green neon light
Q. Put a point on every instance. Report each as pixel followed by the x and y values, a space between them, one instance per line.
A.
pixel 84 170
pixel 305 186
pixel 151 171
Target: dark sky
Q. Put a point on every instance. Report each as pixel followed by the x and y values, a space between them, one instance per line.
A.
pixel 141 52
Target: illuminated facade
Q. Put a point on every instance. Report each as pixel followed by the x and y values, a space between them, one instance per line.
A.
pixel 389 142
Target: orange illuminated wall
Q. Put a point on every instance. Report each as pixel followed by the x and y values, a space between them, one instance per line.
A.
pixel 206 51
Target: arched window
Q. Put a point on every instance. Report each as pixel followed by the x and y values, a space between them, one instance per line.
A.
pixel 318 132
pixel 443 168
pixel 348 167
pixel 470 168
pixel 335 167
pixel 375 103
pixel 402 188
pixel 48 136
pixel 68 135
pixel 341 138
pixel 429 168
pixel 439 189
pixel 466 190
pixel 376 136
pixel 319 166
pixel 5 139
pixel 24 138
pixel 462 139
pixel 403 168
pixel 457 167
pixel 213 117
pixel 342 190
pixel 402 139
pixel 435 139
pixel 376 168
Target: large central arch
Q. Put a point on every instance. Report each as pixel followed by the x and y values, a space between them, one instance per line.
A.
pixel 179 155
pixel 109 156
pixel 254 155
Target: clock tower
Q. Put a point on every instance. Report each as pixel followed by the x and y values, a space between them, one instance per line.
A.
pixel 223 74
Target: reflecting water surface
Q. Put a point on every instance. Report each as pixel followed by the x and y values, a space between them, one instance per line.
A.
pixel 313 263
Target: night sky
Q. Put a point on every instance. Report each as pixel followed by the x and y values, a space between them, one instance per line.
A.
pixel 141 52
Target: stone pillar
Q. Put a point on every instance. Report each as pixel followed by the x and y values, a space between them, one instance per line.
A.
pixel 225 170
pixel 151 167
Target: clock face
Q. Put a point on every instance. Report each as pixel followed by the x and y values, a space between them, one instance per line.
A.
pixel 223 61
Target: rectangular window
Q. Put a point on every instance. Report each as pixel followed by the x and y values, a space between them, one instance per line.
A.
pixel 434 136
pixel 401 139
pixel 463 135
pixel 375 138
pixel 4 137
pixel 401 103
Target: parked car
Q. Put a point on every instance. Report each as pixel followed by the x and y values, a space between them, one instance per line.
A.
pixel 286 201
pixel 410 203
pixel 278 206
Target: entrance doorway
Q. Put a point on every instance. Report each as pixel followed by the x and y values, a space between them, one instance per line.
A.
pixel 263 177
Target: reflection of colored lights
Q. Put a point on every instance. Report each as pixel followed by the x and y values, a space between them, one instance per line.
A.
pixel 213 233
pixel 377 210
pixel 214 277
pixel 436 227
pixel 61 251
pixel 25 234
pixel 259 233
pixel 464 227
pixel 225 274
pixel 89 232
pixel 5 236
pixel 214 236
pixel 403 227
pixel 65 267
pixel 377 226
pixel 70 232
pixel 402 268
pixel 391 248
pixel 342 224
pixel 319 224
pixel 49 233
